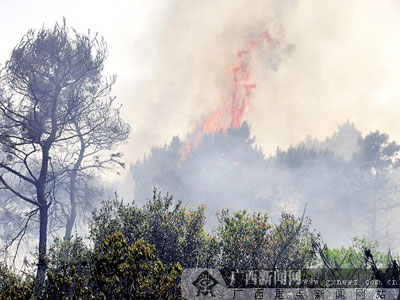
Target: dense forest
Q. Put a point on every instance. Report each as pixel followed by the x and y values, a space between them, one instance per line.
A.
pixel 223 205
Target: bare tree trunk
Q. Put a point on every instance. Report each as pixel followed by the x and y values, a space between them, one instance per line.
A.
pixel 42 264
pixel 72 191
pixel 72 217
pixel 43 216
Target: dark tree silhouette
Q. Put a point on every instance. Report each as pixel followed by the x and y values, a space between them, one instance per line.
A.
pixel 375 164
pixel 225 168
pixel 51 89
pixel 98 131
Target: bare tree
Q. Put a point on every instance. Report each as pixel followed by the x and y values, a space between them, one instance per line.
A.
pixel 51 83
pixel 98 132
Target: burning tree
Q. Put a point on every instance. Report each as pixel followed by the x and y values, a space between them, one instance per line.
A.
pixel 230 111
pixel 53 118
pixel 215 152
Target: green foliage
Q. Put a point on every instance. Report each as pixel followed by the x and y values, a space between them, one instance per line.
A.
pixel 13 286
pixel 251 242
pixel 176 231
pixel 139 253
pixel 291 243
pixel 353 256
pixel 132 272
pixel 69 270
pixel 112 270
pixel 243 239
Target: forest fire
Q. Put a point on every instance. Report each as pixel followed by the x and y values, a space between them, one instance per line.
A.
pixel 241 164
pixel 231 109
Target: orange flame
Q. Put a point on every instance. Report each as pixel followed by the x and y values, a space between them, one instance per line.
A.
pixel 231 110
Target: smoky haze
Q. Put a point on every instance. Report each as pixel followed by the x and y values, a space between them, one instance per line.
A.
pixel 326 178
pixel 337 60
pixel 330 62
pixel 334 61
pixel 194 48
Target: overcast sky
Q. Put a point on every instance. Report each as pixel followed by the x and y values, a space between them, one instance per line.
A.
pixel 334 61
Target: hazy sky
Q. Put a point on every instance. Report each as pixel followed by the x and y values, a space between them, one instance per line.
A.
pixel 332 61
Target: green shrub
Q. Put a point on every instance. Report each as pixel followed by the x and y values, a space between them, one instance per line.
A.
pixel 13 286
pixel 112 270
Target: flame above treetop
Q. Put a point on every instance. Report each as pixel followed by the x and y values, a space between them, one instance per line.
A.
pixel 230 111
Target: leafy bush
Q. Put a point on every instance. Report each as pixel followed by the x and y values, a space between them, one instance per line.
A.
pixel 176 231
pixel 112 270
pixel 69 272
pixel 140 252
pixel 249 241
pixel 354 255
pixel 13 286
